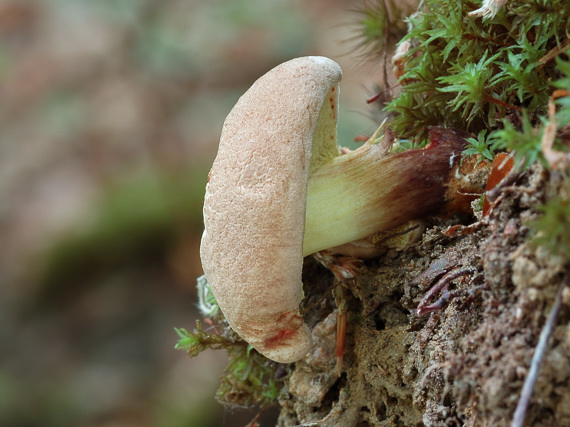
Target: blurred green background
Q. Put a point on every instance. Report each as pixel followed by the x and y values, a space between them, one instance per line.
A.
pixel 110 113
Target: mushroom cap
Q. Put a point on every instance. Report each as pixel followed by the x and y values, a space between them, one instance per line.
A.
pixel 254 207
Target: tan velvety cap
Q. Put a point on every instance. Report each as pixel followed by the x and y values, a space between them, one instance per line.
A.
pixel 254 208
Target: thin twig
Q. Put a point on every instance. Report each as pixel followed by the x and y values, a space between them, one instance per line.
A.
pixel 553 53
pixel 494 100
pixel 388 24
pixel 535 364
pixel 442 283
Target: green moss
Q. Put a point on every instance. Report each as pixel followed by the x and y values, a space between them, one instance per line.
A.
pixel 526 140
pixel 248 380
pixel 552 230
pixel 479 147
pixel 380 24
pixel 469 73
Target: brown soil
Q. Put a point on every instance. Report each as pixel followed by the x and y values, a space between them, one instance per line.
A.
pixel 463 364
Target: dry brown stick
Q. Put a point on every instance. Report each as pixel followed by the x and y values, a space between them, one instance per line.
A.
pixel 553 53
pixel 535 364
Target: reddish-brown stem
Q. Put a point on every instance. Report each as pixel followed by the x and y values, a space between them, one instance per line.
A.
pixel 340 339
pixel 501 103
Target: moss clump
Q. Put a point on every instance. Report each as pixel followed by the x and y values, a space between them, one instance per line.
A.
pixel 380 25
pixel 470 73
pixel 250 378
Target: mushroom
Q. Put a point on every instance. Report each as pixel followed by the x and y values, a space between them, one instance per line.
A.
pixel 280 189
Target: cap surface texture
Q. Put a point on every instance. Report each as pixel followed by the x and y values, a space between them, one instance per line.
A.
pixel 254 207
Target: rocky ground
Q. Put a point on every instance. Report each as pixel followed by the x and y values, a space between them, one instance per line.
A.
pixel 462 364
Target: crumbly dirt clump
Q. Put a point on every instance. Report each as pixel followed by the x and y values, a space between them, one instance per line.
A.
pixel 463 361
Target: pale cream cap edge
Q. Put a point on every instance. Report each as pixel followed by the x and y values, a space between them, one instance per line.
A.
pixel 254 208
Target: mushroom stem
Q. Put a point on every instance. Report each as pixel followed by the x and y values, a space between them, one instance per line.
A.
pixel 366 191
